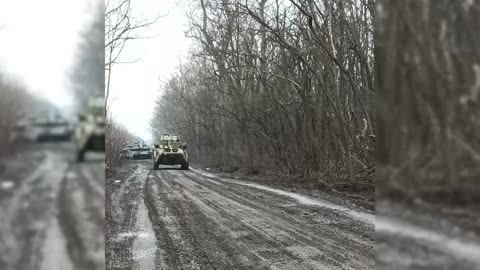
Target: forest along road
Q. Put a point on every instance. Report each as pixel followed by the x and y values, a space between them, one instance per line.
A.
pixel 175 219
pixel 52 210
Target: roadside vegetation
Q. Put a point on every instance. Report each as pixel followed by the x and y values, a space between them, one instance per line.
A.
pixel 121 27
pixel 278 86
pixel 428 72
pixel 15 103
pixel 116 138
pixel 9 101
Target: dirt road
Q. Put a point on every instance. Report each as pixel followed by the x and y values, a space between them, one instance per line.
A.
pixel 52 210
pixel 174 219
pixel 414 238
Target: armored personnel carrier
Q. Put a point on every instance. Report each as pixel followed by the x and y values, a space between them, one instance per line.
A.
pixel 89 134
pixel 170 151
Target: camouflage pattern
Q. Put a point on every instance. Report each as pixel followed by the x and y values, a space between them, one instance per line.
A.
pixel 170 151
pixel 89 134
pixel 144 152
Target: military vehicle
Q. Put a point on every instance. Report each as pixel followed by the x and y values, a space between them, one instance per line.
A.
pixel 89 134
pixel 170 151
pixel 44 127
pixel 143 152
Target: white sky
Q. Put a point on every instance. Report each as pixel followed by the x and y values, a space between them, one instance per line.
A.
pixel 134 87
pixel 38 40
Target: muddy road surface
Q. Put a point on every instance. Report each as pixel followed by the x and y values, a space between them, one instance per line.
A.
pixel 52 210
pixel 175 219
pixel 423 238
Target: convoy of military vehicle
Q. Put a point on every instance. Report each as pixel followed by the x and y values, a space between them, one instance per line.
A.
pixel 169 151
pixel 88 135
pixel 45 126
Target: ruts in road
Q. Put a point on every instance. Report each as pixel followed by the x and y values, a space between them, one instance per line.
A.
pixel 175 219
pixel 52 210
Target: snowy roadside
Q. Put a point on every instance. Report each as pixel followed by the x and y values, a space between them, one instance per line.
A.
pixel 364 202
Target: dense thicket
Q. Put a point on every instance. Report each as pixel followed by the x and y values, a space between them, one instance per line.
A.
pixel 278 84
pixel 428 113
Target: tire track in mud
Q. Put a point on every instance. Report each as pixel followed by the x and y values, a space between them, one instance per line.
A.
pixel 310 225
pixel 31 218
pixel 188 240
pixel 145 253
pixel 207 226
pixel 200 223
pixel 353 231
pixel 250 225
pixel 82 215
pixel 123 200
pixel 300 235
pixel 47 227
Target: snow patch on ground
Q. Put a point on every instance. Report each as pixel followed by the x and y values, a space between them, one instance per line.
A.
pixel 208 175
pixel 458 247
pixel 368 218
pixel 71 175
pixel 131 234
pixel 6 184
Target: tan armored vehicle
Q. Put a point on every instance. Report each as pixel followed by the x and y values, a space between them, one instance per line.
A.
pixel 89 134
pixel 170 151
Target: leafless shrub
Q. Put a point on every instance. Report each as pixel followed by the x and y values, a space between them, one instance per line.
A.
pixel 116 136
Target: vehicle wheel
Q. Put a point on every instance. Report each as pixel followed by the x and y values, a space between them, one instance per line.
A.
pixel 185 166
pixel 80 155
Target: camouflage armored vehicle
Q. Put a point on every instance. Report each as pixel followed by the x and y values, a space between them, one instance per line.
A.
pixel 141 152
pixel 89 134
pixel 170 151
pixel 44 127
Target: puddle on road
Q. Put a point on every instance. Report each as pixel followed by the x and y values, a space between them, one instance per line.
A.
pixel 144 246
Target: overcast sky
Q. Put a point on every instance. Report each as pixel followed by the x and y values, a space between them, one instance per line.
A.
pixel 38 46
pixel 38 42
pixel 135 86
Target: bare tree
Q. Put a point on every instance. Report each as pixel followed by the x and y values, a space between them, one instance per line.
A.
pixel 428 62
pixel 121 26
pixel 277 84
pixel 116 137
